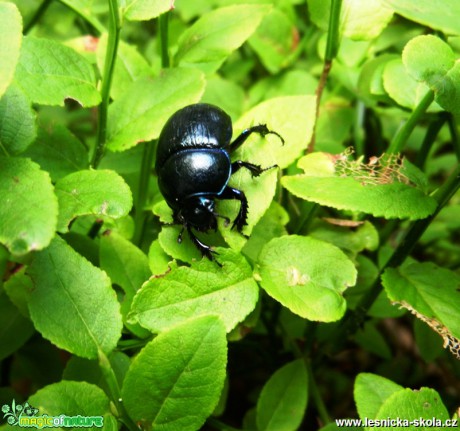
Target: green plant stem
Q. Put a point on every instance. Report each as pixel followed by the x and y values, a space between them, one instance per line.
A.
pixel 354 320
pixel 317 399
pixel 404 132
pixel 453 127
pixel 144 179
pixel 114 390
pixel 430 137
pixel 109 66
pixel 358 128
pixel 163 21
pixel 93 21
pixel 332 47
pixel 216 423
pixel 307 218
pixel 36 16
pixel 147 156
pixel 95 228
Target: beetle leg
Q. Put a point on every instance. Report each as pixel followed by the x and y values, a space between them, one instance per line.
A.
pixel 231 193
pixel 179 238
pixel 255 170
pixel 204 249
pixel 261 129
pixel 226 219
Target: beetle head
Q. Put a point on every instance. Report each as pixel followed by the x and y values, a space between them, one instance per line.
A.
pixel 198 212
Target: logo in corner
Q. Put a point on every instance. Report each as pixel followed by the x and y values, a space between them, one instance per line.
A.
pixel 25 415
pixel 13 413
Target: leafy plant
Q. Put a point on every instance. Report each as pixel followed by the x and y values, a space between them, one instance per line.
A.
pixel 347 285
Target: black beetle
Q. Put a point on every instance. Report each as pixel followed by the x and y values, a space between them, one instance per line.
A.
pixel 193 166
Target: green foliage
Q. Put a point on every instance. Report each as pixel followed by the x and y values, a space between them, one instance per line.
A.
pixel 140 113
pixel 349 261
pixel 283 399
pixel 140 10
pixel 23 230
pixel 10 42
pixel 211 39
pixel 230 293
pixel 102 193
pixel 17 127
pixel 293 270
pixel 65 74
pixel 71 291
pixel 178 375
pixel 378 189
pixel 420 292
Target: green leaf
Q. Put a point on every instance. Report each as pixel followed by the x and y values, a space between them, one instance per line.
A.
pixel 418 285
pixel 174 383
pixel 388 200
pixel 28 215
pixel 17 121
pixel 205 288
pixel 211 39
pixel 437 14
pixel 102 193
pixel 293 82
pixel 15 329
pixel 413 405
pixel 10 43
pixel 373 341
pixel 293 118
pixel 58 152
pixel 50 72
pixel 129 66
pixel 18 288
pixel 447 90
pixel 143 10
pixel 90 370
pixel 334 124
pixel 307 276
pixel 354 238
pixel 427 58
pixel 371 77
pixel 429 344
pixel 370 392
pixel 159 261
pixel 271 225
pixel 364 20
pixel 141 112
pixel 402 87
pixel 71 399
pixel 363 188
pixel 226 94
pixel 319 11
pixel 73 304
pixel 275 41
pixel 87 9
pixel 125 264
pixel 283 399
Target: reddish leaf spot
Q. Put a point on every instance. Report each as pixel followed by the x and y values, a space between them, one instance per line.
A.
pixel 90 43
